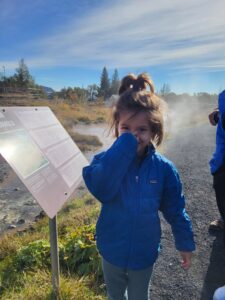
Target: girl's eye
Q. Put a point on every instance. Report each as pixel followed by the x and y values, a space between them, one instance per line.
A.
pixel 124 128
pixel 143 129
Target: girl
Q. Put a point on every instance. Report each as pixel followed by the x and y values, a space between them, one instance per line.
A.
pixel 133 182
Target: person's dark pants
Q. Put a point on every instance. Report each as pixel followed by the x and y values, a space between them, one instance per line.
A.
pixel 219 186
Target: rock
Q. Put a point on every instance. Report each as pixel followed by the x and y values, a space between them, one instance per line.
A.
pixel 11 226
pixel 20 222
pixel 23 229
pixel 29 203
pixel 41 215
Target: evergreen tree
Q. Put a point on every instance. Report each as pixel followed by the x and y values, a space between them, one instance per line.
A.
pixel 22 76
pixel 115 83
pixel 104 89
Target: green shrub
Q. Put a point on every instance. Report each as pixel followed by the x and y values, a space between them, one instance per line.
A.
pixel 35 255
pixel 78 258
pixel 80 253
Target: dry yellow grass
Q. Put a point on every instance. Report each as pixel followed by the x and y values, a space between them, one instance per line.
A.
pixel 68 114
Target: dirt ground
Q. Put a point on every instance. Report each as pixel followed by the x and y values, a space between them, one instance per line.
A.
pixel 191 150
pixel 17 205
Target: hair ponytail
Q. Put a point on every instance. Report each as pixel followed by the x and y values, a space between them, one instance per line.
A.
pixel 140 83
pixel 127 83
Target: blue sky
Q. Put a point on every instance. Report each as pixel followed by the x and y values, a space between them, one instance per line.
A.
pixel 67 43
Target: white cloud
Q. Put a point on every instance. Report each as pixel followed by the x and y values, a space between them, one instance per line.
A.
pixel 139 33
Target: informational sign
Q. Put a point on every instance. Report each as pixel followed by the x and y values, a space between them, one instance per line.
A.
pixel 42 154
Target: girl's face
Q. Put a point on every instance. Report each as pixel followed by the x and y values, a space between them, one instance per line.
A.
pixel 138 125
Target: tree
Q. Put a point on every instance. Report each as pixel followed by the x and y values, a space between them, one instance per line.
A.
pixel 92 92
pixel 105 84
pixel 81 93
pixel 22 76
pixel 165 90
pixel 73 95
pixel 114 89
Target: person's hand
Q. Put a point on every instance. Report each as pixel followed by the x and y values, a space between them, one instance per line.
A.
pixel 214 117
pixel 186 259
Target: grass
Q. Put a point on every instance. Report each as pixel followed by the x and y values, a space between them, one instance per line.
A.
pixel 86 113
pixel 34 282
pixel 37 286
pixel 85 142
pixel 68 114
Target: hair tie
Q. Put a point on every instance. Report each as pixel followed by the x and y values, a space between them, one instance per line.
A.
pixel 138 85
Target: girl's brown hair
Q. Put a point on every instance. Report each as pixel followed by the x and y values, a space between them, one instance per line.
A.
pixel 134 96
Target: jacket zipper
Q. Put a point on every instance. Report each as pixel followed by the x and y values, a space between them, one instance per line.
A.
pixel 132 252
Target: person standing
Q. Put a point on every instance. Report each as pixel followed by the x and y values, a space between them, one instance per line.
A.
pixel 217 162
pixel 134 182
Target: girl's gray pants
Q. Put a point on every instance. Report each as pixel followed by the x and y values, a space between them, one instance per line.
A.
pixel 123 284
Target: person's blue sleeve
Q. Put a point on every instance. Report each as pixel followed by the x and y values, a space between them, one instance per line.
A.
pixel 104 175
pixel 173 209
pixel 221 105
pixel 223 121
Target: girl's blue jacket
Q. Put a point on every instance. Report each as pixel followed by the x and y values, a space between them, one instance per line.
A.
pixel 132 193
pixel 218 158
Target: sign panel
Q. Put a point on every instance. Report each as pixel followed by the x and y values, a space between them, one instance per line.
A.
pixel 42 154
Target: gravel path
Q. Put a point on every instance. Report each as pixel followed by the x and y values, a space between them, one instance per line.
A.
pixel 190 151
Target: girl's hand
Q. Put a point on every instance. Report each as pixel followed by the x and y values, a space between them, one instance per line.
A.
pixel 186 259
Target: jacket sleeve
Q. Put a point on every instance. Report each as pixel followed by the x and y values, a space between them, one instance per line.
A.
pixel 173 209
pixel 221 104
pixel 104 175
